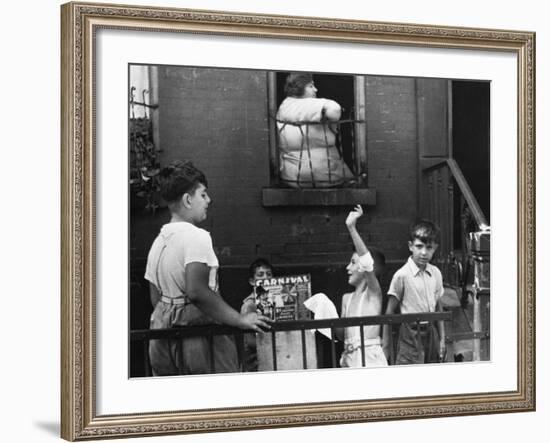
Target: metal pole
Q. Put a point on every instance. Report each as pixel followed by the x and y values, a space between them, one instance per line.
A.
pixel 476 355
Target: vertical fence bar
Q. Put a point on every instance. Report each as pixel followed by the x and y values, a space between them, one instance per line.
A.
pixel 146 359
pixel 430 341
pixel 419 346
pixel 304 351
pixel 392 343
pixel 274 350
pixel 476 342
pixel 239 342
pixel 332 347
pixel 211 348
pixel 179 350
pixel 362 333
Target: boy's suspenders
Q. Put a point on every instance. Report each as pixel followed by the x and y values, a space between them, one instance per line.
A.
pixel 180 300
pixel 157 268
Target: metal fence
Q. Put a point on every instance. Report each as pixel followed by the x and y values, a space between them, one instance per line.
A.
pixel 178 333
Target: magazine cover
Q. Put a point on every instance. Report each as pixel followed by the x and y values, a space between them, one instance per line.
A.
pixel 282 298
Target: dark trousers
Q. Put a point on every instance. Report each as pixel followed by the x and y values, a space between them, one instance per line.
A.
pixel 191 355
pixel 417 344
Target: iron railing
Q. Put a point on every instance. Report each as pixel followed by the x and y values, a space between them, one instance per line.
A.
pixel 179 333
pixel 337 128
pixel 440 178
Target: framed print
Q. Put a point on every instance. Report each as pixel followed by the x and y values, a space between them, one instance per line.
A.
pixel 292 220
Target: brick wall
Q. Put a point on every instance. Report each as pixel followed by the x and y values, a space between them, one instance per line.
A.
pixel 218 118
pixel 392 161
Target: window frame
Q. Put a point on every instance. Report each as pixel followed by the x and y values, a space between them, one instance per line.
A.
pixel 277 195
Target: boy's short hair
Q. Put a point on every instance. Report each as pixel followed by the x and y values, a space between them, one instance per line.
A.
pixel 425 231
pixel 178 178
pixel 379 261
pixel 259 262
pixel 296 83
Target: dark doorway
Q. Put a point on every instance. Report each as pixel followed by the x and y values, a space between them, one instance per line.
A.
pixel 471 139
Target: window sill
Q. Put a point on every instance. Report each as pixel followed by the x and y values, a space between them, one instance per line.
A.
pixel 318 197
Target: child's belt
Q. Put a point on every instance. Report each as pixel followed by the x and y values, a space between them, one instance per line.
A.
pixel 422 327
pixel 354 344
pixel 183 300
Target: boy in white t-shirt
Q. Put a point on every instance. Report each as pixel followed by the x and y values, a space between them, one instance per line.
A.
pixel 181 270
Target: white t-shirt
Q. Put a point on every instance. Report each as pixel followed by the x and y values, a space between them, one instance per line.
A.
pixel 177 245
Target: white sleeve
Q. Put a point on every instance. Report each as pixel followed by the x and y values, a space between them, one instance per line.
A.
pixel 302 109
pixel 366 263
pixel 152 263
pixel 198 248
pixel 150 274
pixel 439 285
pixel 396 286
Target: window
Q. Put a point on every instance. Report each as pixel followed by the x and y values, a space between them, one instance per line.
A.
pixel 338 148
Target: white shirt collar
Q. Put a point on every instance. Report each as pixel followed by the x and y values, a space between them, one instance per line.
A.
pixel 415 269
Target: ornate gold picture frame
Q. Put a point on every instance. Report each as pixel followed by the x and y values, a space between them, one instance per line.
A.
pixel 81 22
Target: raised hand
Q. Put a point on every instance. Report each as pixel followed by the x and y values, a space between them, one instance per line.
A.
pixel 353 216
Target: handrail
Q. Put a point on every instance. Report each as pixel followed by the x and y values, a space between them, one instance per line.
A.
pixel 145 336
pixel 468 194
pixel 465 189
pixel 295 325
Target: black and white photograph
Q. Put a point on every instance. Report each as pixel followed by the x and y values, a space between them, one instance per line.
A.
pixel 293 220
